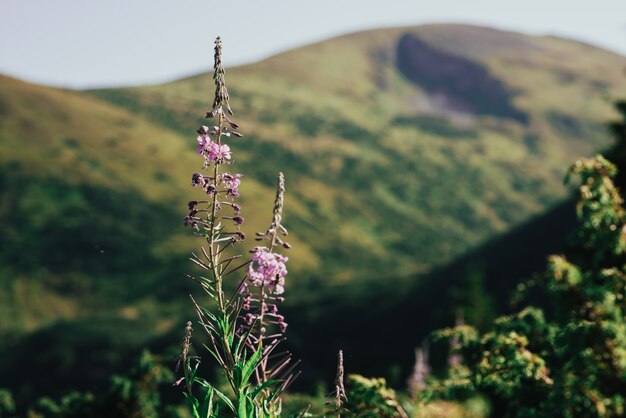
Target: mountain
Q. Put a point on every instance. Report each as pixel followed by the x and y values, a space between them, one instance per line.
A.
pixel 420 141
pixel 403 149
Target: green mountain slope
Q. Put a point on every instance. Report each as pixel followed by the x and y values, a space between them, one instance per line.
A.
pixel 382 164
pixel 403 149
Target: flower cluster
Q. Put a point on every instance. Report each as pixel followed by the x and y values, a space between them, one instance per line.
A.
pixel 231 183
pixel 265 281
pixel 212 151
pixel 266 272
pixel 215 184
pixel 268 269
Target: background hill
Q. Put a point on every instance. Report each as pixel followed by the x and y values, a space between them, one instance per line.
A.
pixel 403 149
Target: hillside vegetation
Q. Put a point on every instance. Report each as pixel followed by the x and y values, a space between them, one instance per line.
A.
pixel 394 169
pixel 400 165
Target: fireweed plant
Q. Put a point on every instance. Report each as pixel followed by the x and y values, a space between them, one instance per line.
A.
pixel 244 327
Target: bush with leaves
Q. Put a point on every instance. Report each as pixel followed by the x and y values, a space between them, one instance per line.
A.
pixel 371 398
pixel 573 363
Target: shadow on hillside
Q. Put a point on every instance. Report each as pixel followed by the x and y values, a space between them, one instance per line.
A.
pixel 378 335
pixel 456 83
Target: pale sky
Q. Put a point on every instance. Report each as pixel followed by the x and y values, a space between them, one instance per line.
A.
pixel 88 43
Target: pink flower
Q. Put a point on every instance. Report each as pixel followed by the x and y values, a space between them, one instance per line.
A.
pixel 224 152
pixel 246 302
pixel 249 318
pixel 283 326
pixel 197 179
pixel 203 142
pixel 268 269
pixel 232 183
pixel 212 151
pixel 216 152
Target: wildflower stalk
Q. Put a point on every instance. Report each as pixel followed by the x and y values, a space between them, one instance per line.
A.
pixel 273 232
pixel 213 255
pixel 421 370
pixel 237 326
pixel 340 391
pixel 338 397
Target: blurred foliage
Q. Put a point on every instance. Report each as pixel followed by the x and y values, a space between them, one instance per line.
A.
pixel 572 365
pixel 599 208
pixel 472 408
pixel 135 395
pixel 571 360
pixel 473 299
pixel 371 398
pixel 295 403
pixel 7 404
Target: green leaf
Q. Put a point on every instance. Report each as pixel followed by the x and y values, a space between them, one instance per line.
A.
pixel 246 406
pixel 223 397
pixel 214 354
pixel 243 402
pixel 237 376
pixel 263 386
pixel 240 345
pixel 194 404
pixel 273 394
pixel 207 404
pixel 250 366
